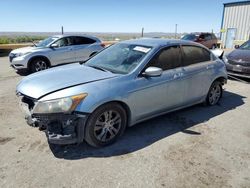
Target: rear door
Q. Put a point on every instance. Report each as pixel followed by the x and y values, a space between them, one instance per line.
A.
pixel 197 72
pixel 208 40
pixel 81 47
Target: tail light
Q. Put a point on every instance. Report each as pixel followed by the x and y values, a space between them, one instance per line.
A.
pixel 103 45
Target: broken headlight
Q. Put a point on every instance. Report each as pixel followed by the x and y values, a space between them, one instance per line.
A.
pixel 67 104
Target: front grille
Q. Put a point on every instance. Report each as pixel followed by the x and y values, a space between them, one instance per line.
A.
pixel 12 56
pixel 242 63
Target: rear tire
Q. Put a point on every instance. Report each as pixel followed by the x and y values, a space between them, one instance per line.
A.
pixel 214 93
pixel 105 125
pixel 38 64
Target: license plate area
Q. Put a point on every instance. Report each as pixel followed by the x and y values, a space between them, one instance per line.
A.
pixel 237 68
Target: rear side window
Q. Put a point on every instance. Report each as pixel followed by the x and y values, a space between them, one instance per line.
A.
pixel 213 36
pixel 191 37
pixel 208 37
pixel 168 58
pixel 83 40
pixel 194 54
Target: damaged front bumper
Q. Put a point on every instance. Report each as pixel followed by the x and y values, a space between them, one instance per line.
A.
pixel 60 128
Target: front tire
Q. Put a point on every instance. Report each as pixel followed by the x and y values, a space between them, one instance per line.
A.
pixel 105 125
pixel 214 93
pixel 38 64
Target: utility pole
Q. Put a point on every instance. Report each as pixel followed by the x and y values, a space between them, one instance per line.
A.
pixel 142 32
pixel 62 30
pixel 175 35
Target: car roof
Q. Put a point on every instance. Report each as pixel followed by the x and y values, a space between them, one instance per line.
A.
pixel 199 33
pixel 71 35
pixel 156 42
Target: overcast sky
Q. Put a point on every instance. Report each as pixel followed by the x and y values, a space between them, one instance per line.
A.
pixel 111 15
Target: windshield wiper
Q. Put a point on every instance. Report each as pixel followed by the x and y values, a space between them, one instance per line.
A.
pixel 82 62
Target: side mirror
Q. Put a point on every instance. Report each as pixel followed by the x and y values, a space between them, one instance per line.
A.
pixel 54 45
pixel 237 46
pixel 152 72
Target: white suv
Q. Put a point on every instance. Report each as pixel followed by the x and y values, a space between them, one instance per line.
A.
pixel 55 50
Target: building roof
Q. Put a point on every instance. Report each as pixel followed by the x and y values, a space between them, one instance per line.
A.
pixel 237 3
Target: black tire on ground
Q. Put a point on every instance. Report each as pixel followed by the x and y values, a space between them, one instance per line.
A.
pixel 38 64
pixel 214 93
pixel 105 125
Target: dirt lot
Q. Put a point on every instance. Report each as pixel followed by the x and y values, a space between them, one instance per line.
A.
pixel 196 147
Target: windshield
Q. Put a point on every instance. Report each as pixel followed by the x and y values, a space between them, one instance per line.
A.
pixel 190 37
pixel 119 58
pixel 46 41
pixel 245 46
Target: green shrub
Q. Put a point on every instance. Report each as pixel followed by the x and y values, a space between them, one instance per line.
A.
pixel 20 39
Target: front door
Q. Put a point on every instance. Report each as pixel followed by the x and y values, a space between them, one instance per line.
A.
pixel 154 95
pixel 64 53
pixel 231 33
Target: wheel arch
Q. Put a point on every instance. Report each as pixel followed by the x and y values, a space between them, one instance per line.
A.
pixel 122 104
pixel 38 56
pixel 221 79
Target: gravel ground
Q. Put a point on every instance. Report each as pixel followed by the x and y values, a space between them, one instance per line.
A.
pixel 195 147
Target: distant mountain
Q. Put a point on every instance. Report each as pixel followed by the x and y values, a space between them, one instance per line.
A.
pixel 103 36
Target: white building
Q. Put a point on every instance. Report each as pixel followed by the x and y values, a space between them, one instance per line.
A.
pixel 235 26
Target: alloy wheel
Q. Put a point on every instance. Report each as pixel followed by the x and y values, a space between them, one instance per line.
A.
pixel 107 125
pixel 40 65
pixel 215 94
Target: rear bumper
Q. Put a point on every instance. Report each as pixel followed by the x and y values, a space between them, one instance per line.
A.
pixel 60 128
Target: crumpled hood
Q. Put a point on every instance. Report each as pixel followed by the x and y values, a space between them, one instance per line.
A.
pixel 54 79
pixel 26 49
pixel 243 55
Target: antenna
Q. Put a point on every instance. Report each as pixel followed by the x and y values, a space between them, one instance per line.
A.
pixel 142 32
pixel 62 30
pixel 175 34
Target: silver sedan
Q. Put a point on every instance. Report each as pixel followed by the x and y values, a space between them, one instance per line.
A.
pixel 125 84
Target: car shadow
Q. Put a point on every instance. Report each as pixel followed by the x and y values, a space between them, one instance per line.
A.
pixel 151 131
pixel 23 72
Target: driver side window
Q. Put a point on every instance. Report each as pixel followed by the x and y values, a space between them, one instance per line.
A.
pixel 168 58
pixel 62 42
